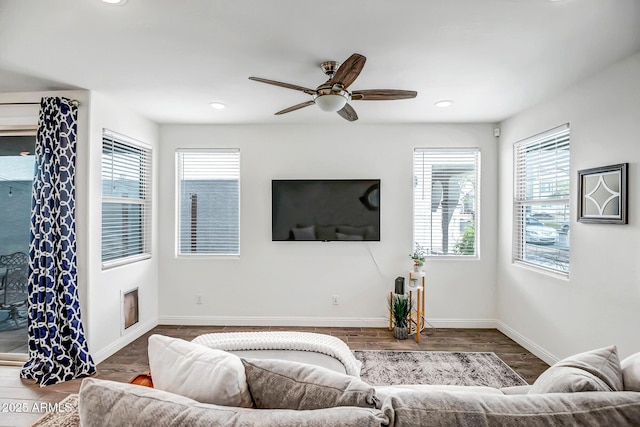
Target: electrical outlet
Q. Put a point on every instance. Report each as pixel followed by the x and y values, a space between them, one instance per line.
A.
pixel 334 300
pixel 198 299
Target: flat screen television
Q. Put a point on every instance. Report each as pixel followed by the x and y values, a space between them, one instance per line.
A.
pixel 325 210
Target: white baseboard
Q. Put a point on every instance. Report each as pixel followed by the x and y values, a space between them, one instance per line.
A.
pixel 528 344
pixel 344 322
pixel 136 332
pixel 367 322
pixel 462 323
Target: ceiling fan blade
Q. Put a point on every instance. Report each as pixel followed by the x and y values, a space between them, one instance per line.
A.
pixel 285 85
pixel 349 70
pixel 295 107
pixel 347 112
pixel 382 94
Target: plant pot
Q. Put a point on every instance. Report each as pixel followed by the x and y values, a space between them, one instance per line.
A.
pixel 417 268
pixel 401 333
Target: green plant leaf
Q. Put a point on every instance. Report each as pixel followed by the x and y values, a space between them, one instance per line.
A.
pixel 400 310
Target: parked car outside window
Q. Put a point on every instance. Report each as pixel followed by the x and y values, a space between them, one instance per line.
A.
pixel 542 215
pixel 537 232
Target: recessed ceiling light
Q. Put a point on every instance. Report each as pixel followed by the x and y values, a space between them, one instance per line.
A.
pixel 217 105
pixel 444 103
pixel 120 2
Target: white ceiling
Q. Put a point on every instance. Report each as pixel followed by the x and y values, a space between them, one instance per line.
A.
pixel 169 59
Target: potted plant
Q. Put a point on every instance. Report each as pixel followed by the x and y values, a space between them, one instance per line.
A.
pixel 400 312
pixel 418 257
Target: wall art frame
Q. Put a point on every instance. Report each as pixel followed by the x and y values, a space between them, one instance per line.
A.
pixel 602 194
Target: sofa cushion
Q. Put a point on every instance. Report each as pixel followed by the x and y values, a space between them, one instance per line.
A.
pixel 304 233
pixel 631 372
pixel 326 232
pixel 385 391
pixel 595 370
pixel 347 229
pixel 201 373
pixel 342 236
pixel 441 408
pixel 518 389
pixel 109 403
pixel 283 384
pixel 368 232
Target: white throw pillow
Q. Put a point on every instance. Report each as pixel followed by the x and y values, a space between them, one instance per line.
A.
pixel 595 370
pixel 631 372
pixel 198 372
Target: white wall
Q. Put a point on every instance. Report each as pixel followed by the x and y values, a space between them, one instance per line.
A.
pixel 600 303
pixel 104 317
pixel 291 283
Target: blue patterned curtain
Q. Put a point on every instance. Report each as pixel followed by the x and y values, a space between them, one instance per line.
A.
pixel 57 347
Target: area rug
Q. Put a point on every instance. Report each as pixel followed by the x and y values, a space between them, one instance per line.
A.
pixel 63 414
pixel 385 367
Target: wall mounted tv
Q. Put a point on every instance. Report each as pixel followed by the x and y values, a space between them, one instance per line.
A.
pixel 325 210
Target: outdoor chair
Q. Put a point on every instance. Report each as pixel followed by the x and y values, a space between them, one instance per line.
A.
pixel 14 286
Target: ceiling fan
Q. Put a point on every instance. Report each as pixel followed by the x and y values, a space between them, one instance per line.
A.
pixel 333 94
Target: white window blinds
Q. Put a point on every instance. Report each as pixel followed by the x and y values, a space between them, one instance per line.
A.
pixel 209 202
pixel 541 200
pixel 446 198
pixel 126 200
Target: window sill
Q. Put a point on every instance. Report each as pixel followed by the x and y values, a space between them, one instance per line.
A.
pixel 208 256
pixel 453 258
pixel 124 261
pixel 547 272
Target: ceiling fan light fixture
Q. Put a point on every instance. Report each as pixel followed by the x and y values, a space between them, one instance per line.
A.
pixel 444 103
pixel 331 102
pixel 333 96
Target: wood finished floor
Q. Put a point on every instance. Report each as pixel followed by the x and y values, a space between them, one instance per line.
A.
pixel 132 359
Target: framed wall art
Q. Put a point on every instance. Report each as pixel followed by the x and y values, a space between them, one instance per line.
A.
pixel 602 194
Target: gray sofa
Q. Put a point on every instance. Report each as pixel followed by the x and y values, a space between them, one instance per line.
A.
pixel 285 393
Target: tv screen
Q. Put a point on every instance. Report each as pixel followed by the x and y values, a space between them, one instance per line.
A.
pixel 326 210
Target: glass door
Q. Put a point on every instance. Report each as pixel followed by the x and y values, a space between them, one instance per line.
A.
pixel 17 164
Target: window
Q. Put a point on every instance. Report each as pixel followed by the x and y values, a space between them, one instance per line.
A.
pixel 209 202
pixel 541 201
pixel 17 168
pixel 126 200
pixel 446 197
